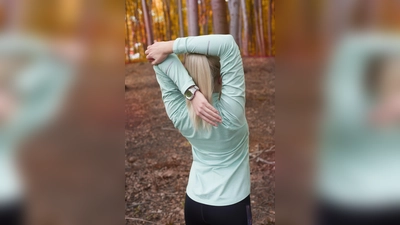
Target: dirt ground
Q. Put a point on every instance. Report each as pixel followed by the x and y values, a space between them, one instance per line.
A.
pixel 158 158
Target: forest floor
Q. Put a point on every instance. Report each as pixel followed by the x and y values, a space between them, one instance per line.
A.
pixel 158 158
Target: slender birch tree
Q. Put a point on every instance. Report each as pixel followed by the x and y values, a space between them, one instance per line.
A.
pixel 245 39
pixel 220 20
pixel 234 19
pixel 149 27
pixel 193 17
pixel 180 18
pixel 269 23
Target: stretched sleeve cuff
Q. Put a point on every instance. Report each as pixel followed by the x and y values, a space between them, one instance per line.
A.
pixel 186 86
pixel 179 46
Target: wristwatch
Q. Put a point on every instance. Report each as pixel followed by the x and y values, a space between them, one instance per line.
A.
pixel 190 92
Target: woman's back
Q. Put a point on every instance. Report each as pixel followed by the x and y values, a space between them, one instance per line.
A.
pixel 220 169
pixel 220 173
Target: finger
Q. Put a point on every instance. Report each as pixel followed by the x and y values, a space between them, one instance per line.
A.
pixel 205 115
pixel 209 106
pixel 208 120
pixel 212 115
pixel 216 116
pixel 147 51
pixel 213 112
pixel 149 58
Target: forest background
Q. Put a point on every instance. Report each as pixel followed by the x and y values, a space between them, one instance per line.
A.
pixel 250 22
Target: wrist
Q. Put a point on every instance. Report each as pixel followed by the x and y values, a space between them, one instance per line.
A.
pixel 170 47
pixel 191 92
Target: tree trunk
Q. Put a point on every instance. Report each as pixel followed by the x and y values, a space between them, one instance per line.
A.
pixel 149 28
pixel 220 21
pixel 240 30
pixel 127 36
pixel 269 27
pixel 245 43
pixel 261 24
pixel 193 17
pixel 257 22
pixel 205 15
pixel 167 20
pixel 13 13
pixel 234 16
pixel 181 33
pixel 139 30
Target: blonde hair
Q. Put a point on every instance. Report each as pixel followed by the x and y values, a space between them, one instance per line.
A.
pixel 204 70
pixel 390 78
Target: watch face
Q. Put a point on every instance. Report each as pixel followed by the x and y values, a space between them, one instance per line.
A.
pixel 188 94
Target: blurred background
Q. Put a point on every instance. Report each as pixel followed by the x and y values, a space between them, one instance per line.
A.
pixel 250 22
pixel 328 143
pixel 61 111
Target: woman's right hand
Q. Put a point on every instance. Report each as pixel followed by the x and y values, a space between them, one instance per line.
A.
pixel 205 110
pixel 159 51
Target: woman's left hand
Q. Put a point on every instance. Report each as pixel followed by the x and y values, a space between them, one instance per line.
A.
pixel 205 110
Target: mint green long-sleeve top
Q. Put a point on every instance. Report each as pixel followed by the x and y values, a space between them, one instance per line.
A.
pixel 39 87
pixel 359 164
pixel 220 172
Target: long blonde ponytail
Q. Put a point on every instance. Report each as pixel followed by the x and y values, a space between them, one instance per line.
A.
pixel 204 70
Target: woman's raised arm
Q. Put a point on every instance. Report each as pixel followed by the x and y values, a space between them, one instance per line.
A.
pixel 174 80
pixel 224 46
pixel 233 84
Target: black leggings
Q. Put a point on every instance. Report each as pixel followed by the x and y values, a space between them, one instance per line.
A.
pixel 200 214
pixel 329 214
pixel 11 214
